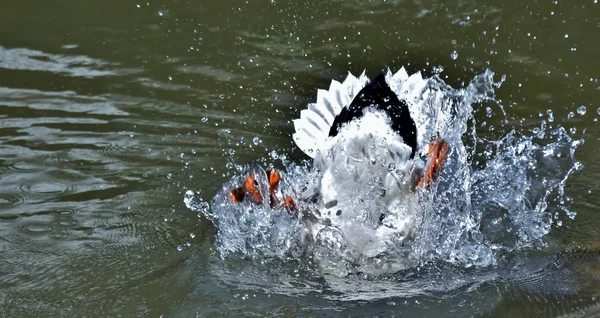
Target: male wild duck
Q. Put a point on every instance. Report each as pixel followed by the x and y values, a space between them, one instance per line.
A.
pixel 364 142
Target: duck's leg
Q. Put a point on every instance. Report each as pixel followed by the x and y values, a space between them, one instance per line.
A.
pixel 286 202
pixel 249 187
pixel 436 156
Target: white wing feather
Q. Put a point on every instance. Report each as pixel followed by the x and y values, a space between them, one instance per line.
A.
pixel 312 128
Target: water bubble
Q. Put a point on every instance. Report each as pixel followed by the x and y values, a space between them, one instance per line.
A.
pixel 204 119
pixel 581 110
pixel 224 132
pixel 179 248
pixel 256 140
pixel 550 115
pixel 488 112
pixel 566 36
pixel 454 55
pixel 274 155
pixel 573 130
pixel 570 115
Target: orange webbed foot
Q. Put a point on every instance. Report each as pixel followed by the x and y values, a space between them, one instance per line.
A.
pixel 277 198
pixel 250 187
pixel 436 156
pixel 289 203
pixel 237 195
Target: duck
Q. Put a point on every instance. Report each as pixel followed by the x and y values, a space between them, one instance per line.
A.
pixel 370 158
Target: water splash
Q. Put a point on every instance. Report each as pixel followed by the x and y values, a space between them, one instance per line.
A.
pixel 494 196
pixel 248 228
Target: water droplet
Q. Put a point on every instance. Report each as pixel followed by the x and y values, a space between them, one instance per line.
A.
pixel 454 55
pixel 256 140
pixel 581 110
pixel 169 176
pixel 550 115
pixel 566 36
pixel 224 132
pixel 488 112
pixel 573 130
pixel 204 119
pixel 179 248
pixel 192 235
pixel 194 203
pixel 570 115
pixel 274 155
pixel 598 110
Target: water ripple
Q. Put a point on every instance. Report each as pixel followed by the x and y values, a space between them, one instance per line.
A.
pixel 71 65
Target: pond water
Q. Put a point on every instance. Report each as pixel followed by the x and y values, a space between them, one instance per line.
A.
pixel 111 112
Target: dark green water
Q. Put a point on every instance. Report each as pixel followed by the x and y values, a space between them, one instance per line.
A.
pixel 109 111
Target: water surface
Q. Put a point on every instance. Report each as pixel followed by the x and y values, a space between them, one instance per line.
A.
pixel 109 112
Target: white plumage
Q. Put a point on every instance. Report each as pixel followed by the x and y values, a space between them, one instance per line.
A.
pixel 366 191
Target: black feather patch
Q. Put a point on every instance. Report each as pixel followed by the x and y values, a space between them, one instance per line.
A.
pixel 378 94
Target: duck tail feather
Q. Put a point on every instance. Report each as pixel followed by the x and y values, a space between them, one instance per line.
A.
pixel 314 124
